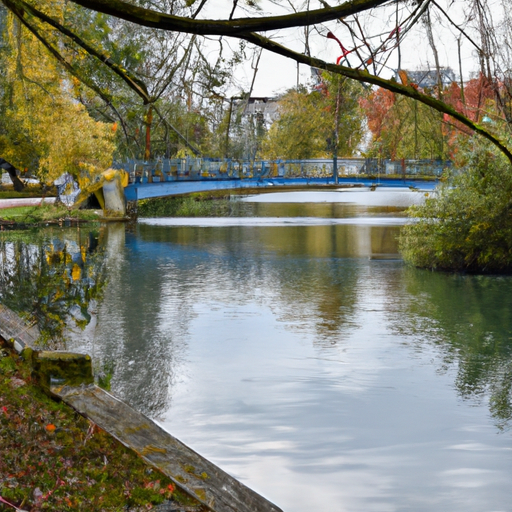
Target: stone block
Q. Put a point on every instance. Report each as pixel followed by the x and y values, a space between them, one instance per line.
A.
pixel 58 368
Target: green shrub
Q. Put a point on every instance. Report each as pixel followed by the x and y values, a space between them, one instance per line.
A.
pixel 466 225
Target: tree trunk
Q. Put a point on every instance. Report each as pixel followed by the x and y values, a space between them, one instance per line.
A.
pixel 149 120
pixel 17 183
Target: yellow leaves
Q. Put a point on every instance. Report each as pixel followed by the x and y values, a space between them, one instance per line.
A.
pixel 479 229
pixel 81 54
pixel 125 177
pixel 54 257
pixel 79 144
pixel 403 77
pixel 109 174
pixel 76 272
pixel 43 118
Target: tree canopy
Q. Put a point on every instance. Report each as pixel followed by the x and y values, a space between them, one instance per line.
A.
pixel 363 60
pixel 44 128
pixel 314 124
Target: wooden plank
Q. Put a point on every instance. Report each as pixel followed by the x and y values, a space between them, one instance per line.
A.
pixel 194 474
pixel 12 326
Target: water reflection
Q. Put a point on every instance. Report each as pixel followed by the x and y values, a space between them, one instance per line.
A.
pixel 52 276
pixel 134 333
pixel 468 318
pixel 343 240
pixel 309 362
pixel 299 357
pixel 358 200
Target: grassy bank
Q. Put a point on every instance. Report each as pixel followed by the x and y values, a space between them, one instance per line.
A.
pixel 54 459
pixel 45 213
pixel 193 205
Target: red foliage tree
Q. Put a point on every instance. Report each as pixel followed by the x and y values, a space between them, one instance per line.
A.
pixel 376 107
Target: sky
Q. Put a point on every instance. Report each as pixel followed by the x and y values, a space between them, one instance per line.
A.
pixel 276 73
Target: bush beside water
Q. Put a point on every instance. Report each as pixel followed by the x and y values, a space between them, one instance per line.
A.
pixel 466 225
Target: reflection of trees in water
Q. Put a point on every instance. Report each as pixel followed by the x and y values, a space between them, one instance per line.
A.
pixel 317 297
pixel 157 278
pixel 51 276
pixel 297 270
pixel 133 335
pixel 469 319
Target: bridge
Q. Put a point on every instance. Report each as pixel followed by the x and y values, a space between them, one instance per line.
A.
pixel 168 177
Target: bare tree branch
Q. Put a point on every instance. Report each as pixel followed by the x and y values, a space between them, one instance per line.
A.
pixel 155 19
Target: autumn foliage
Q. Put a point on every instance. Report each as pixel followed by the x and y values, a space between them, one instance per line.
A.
pixel 393 119
pixel 377 107
pixel 54 459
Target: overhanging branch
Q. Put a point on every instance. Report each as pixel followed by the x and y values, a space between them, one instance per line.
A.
pixel 155 19
pixel 19 7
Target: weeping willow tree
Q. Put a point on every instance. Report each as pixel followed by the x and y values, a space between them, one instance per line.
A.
pixel 45 129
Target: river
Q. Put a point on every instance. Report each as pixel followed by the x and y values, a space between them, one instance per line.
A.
pixel 293 348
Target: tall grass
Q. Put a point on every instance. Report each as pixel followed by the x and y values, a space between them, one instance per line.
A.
pixel 187 206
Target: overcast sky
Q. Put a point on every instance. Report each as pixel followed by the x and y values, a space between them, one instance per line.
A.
pixel 276 73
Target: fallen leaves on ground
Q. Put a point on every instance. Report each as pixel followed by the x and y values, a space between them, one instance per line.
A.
pixel 54 459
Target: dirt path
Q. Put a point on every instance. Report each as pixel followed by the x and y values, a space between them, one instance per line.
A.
pixel 24 201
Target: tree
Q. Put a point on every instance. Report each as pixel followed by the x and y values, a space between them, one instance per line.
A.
pixel 370 51
pixel 317 123
pixel 403 128
pixel 151 82
pixel 300 132
pixel 466 226
pixel 44 129
pixel 343 113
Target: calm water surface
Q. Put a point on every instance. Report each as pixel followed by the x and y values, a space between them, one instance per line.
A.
pixel 302 356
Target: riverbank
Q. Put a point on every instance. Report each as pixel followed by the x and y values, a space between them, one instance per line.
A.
pixel 214 203
pixel 41 214
pixel 55 459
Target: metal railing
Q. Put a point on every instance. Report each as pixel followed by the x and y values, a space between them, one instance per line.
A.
pixel 178 169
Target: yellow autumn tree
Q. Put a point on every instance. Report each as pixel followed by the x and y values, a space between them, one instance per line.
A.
pixel 45 129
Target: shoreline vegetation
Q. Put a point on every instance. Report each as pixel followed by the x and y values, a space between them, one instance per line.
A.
pixel 55 459
pixel 466 226
pixel 192 205
pixel 18 217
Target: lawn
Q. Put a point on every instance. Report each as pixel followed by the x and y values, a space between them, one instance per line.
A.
pixel 46 213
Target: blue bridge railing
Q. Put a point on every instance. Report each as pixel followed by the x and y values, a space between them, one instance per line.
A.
pixel 199 169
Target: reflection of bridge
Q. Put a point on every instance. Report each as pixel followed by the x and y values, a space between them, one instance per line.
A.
pixel 187 175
